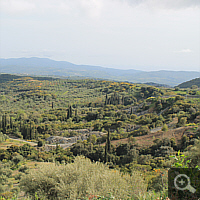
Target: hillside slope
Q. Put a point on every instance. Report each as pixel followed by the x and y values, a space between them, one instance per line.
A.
pixel 189 84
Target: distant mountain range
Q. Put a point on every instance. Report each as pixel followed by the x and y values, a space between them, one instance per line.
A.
pixel 48 67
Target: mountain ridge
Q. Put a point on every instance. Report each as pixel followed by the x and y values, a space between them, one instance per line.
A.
pixel 48 67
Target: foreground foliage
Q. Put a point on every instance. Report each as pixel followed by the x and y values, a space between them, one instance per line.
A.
pixel 81 179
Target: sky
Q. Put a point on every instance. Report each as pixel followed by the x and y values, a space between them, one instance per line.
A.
pixel 124 34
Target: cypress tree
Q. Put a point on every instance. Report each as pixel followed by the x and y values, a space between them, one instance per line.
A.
pixel 27 134
pixel 131 110
pixel 70 111
pixel 5 122
pixel 11 124
pixel 3 125
pixel 108 141
pixel 30 131
pixel 106 101
pixel 36 134
pixel 107 146
pixel 1 122
pixel 5 118
pixel 67 113
pixel 20 125
pixel 106 154
pixel 33 130
pixel 22 130
pixel 122 100
pixel 76 113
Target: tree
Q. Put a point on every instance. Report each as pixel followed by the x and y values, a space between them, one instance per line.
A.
pixel 17 159
pixel 107 147
pixel 30 131
pixel 4 123
pixel 5 174
pixel 124 117
pixel 3 137
pixel 11 123
pixel 184 142
pixel 131 139
pixel 194 87
pixel 165 128
pixel 182 121
pixel 108 141
pixel 69 112
pixel 40 143
pixel 93 139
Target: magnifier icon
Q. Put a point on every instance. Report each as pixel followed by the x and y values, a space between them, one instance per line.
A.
pixel 182 182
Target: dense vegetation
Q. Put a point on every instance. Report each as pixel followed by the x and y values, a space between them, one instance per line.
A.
pixel 130 127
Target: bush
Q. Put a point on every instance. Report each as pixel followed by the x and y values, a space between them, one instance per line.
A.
pixel 18 176
pixel 15 190
pixel 165 127
pixel 159 182
pixel 40 143
pixel 3 137
pixel 80 179
pixel 17 159
pixel 23 169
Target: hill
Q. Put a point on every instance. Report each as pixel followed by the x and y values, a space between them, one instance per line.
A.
pixel 53 121
pixel 10 77
pixel 189 84
pixel 48 67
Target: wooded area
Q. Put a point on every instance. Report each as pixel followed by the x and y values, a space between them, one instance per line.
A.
pixel 106 118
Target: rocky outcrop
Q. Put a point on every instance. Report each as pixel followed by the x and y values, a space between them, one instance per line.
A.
pixel 83 134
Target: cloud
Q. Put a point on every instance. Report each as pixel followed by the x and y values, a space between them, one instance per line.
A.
pixel 16 6
pixel 183 51
pixel 165 4
pixel 87 7
pixel 174 4
pixel 91 8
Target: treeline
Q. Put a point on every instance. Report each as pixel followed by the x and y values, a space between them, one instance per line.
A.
pixel 10 77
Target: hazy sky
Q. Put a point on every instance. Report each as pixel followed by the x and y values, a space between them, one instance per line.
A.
pixel 137 34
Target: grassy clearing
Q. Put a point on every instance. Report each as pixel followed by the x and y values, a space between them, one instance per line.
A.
pixel 9 142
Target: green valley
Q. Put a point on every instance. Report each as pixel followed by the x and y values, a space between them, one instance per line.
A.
pixel 87 129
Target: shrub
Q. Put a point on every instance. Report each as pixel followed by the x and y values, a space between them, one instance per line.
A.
pixel 165 127
pixel 3 137
pixel 80 179
pixel 23 169
pixel 5 174
pixel 18 176
pixel 17 159
pixel 40 143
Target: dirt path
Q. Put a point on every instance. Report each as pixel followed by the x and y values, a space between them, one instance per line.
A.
pixel 20 140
